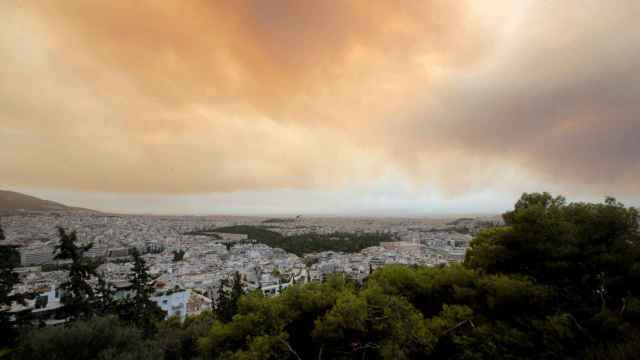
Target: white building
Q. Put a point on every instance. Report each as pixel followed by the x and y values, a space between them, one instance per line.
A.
pixel 36 255
pixel 182 303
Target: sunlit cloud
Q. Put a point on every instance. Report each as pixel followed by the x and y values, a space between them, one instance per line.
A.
pixel 192 97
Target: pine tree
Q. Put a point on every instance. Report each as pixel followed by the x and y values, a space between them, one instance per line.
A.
pixel 78 296
pixel 227 303
pixel 235 294
pixel 105 303
pixel 222 306
pixel 140 309
pixel 236 291
pixel 8 280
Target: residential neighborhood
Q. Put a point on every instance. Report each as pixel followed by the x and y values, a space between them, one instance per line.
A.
pixel 189 260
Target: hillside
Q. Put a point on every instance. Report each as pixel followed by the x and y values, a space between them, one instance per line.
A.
pixel 302 244
pixel 14 201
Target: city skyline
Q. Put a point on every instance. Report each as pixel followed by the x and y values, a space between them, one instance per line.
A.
pixel 328 108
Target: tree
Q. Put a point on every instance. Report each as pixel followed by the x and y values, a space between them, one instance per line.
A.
pixel 237 289
pixel 95 338
pixel 373 324
pixel 222 307
pixel 8 296
pixel 139 309
pixel 179 340
pixel 178 255
pixel 589 252
pixel 78 295
pixel 274 327
pixel 586 254
pixel 227 303
pixel 105 303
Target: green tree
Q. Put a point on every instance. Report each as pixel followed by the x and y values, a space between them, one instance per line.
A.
pixel 105 302
pixel 590 253
pixel 312 242
pixel 222 306
pixel 461 307
pixel 237 289
pixel 138 308
pixel 373 324
pixel 8 296
pixel 78 295
pixel 586 254
pixel 227 302
pixel 102 338
pixel 179 339
pixel 277 327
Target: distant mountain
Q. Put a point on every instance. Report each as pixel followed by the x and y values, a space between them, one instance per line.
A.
pixel 13 201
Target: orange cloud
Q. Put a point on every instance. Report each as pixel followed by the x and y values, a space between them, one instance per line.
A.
pixel 205 96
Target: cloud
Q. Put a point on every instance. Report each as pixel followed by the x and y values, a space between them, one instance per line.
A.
pixel 560 100
pixel 214 96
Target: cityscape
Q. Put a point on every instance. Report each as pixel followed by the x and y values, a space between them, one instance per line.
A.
pixel 320 180
pixel 208 256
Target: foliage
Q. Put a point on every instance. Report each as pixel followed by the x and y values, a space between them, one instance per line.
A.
pixel 279 220
pixel 227 303
pixel 254 232
pixel 372 324
pixel 310 242
pixel 178 255
pixel 78 295
pixel 138 308
pixel 105 302
pixel 179 340
pixel 268 327
pixel 97 338
pixel 588 253
pixel 8 281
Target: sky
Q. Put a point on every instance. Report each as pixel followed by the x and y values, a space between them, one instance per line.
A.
pixel 319 107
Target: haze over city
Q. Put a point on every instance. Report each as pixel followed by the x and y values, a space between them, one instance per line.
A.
pixel 319 179
pixel 326 107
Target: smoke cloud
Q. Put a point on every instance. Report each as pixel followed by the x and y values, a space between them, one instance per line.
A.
pixel 217 96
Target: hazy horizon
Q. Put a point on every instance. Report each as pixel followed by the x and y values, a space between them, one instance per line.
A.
pixel 262 205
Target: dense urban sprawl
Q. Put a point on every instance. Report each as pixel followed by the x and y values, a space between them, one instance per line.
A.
pixel 190 256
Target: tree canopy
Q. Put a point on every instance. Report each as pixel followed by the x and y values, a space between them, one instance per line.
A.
pixel 312 242
pixel 9 323
pixel 97 338
pixel 138 308
pixel 78 295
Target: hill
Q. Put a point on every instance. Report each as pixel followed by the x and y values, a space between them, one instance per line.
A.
pixel 311 242
pixel 11 201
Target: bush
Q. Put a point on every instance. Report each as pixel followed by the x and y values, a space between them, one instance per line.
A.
pixel 104 338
